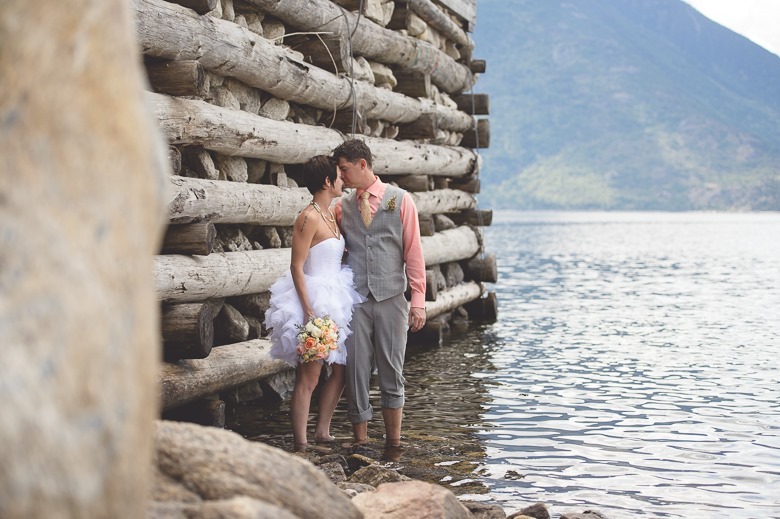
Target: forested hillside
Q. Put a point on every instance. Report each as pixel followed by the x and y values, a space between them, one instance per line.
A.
pixel 626 104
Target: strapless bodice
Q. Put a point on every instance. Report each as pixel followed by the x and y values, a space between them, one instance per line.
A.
pixel 325 257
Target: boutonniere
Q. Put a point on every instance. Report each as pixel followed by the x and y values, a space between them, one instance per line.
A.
pixel 391 204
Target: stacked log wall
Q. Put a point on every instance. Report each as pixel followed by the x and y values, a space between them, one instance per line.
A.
pixel 246 91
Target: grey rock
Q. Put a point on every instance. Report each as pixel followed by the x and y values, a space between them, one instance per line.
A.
pixel 410 500
pixel 485 510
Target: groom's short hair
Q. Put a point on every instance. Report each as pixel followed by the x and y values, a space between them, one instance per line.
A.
pixel 353 150
pixel 316 170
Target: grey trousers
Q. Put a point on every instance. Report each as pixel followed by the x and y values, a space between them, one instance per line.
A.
pixel 378 336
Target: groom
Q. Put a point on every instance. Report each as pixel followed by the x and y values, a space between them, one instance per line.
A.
pixel 382 231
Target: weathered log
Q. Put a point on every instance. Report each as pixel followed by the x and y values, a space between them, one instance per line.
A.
pixel 478 66
pixel 230 326
pixel 199 6
pixel 466 10
pixel 427 227
pixel 441 183
pixel 434 17
pixel 184 279
pixel 227 367
pixel 171 32
pixel 476 217
pixel 200 200
pixel 188 329
pixel 482 268
pixel 412 183
pixel 328 52
pixel 347 121
pixel 413 83
pixel 423 128
pixel 207 411
pixel 196 238
pixel 177 78
pixel 453 273
pixel 431 286
pixel 479 137
pixel 474 104
pixel 235 132
pixel 451 245
pixel 483 309
pixel 450 299
pixel 469 185
pixel 447 118
pixel 372 41
pixel 443 201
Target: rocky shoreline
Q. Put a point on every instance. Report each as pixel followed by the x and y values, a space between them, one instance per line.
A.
pixel 205 472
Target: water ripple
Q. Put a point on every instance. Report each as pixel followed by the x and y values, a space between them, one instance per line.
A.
pixel 637 362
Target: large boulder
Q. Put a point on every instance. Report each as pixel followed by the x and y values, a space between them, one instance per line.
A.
pixel 82 182
pixel 218 465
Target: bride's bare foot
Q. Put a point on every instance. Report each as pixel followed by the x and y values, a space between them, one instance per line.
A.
pixel 324 439
pixel 300 447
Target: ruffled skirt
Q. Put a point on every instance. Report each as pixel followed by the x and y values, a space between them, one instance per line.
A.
pixel 332 295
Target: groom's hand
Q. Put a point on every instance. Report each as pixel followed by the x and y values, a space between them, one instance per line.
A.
pixel 416 319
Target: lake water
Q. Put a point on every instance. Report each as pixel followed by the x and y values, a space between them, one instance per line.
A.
pixel 635 364
pixel 633 369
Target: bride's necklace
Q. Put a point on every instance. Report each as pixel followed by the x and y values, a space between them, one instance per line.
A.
pixel 327 220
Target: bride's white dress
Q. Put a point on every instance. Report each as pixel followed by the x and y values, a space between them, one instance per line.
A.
pixel 331 292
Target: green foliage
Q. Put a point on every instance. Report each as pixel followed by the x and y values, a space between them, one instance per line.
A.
pixel 625 104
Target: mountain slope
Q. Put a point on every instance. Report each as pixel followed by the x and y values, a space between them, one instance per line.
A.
pixel 626 104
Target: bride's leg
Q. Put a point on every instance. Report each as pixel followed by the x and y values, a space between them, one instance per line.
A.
pixel 307 375
pixel 329 399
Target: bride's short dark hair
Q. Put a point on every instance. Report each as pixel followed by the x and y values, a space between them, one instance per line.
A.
pixel 316 170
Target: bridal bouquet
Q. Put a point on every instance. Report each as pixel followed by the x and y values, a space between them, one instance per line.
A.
pixel 317 338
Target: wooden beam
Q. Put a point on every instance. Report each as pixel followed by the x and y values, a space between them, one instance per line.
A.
pixel 450 299
pixel 188 329
pixel 450 245
pixel 189 279
pixel 477 217
pixel 479 137
pixel 478 66
pixel 474 104
pixel 195 238
pixel 227 367
pixel 482 268
pixel 235 132
pixel 372 41
pixel 443 201
pixel 221 201
pixel 177 78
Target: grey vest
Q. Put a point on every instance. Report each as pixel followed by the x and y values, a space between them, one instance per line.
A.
pixel 376 254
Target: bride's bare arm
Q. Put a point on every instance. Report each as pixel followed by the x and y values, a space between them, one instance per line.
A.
pixel 304 230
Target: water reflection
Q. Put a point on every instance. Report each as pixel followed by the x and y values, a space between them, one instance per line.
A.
pixel 638 366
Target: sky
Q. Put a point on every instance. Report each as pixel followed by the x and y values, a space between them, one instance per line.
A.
pixel 758 20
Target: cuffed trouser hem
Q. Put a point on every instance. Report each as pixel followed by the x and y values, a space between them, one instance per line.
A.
pixel 360 417
pixel 392 402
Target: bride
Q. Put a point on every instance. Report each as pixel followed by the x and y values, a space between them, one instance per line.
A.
pixel 317 285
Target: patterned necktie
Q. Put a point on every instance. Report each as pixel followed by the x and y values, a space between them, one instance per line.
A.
pixel 365 209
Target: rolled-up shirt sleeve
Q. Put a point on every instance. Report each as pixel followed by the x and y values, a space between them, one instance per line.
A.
pixel 413 254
